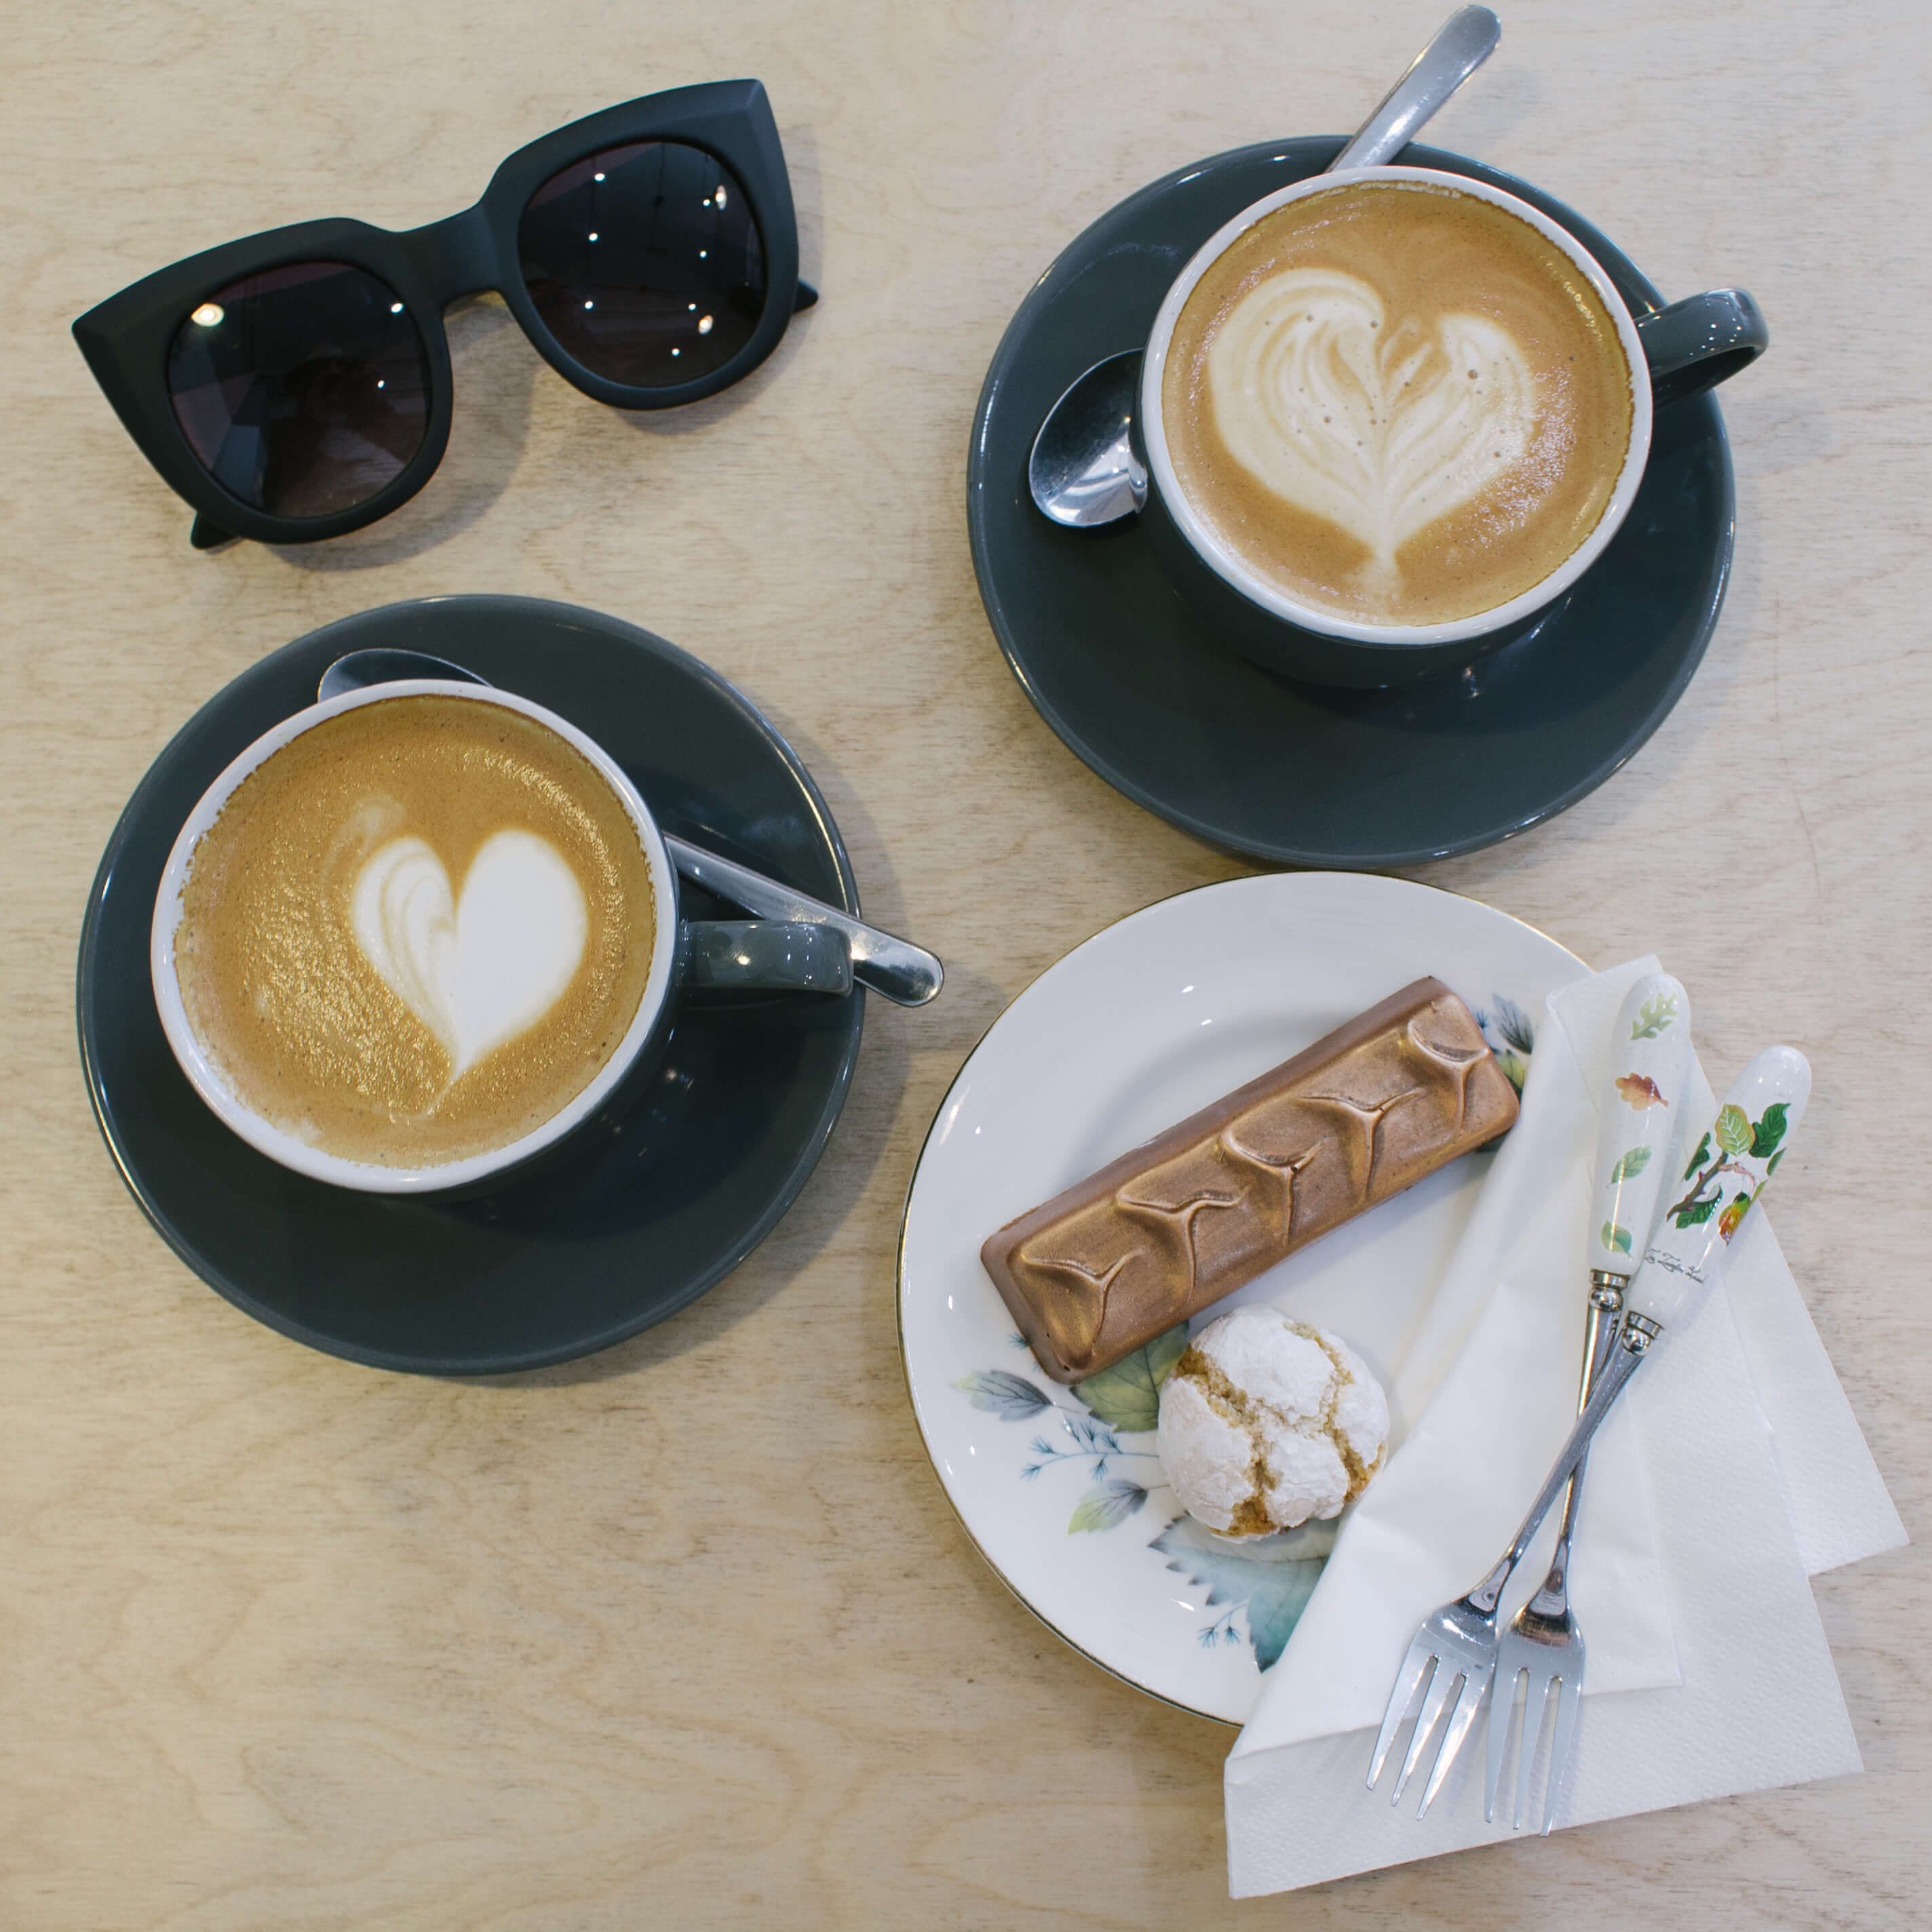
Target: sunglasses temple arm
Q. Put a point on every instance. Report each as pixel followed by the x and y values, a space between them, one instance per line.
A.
pixel 207 534
pixel 806 296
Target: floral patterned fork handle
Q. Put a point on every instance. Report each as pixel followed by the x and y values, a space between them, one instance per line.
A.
pixel 1732 1166
pixel 1650 1056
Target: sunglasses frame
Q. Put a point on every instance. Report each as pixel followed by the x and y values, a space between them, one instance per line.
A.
pixel 127 338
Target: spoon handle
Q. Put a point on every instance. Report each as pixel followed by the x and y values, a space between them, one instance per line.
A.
pixel 903 972
pixel 1466 40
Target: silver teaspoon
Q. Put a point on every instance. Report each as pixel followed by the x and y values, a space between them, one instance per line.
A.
pixel 1083 472
pixel 902 972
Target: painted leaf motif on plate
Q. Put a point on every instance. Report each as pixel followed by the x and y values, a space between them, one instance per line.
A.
pixel 1128 1394
pixel 1002 1393
pixel 1274 1588
pixel 1106 1504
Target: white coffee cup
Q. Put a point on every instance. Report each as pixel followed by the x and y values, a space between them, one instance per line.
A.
pixel 1320 644
pixel 756 953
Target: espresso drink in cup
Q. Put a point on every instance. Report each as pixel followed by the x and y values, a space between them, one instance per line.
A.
pixel 1397 403
pixel 416 931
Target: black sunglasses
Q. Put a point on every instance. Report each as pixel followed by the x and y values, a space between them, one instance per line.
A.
pixel 296 385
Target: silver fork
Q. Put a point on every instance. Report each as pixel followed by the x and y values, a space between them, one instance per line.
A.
pixel 1458 1642
pixel 1460 1639
pixel 1650 1055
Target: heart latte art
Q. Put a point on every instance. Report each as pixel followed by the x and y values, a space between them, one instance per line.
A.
pixel 1400 403
pixel 1380 430
pixel 416 931
pixel 479 970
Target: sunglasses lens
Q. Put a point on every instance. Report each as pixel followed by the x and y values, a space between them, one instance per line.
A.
pixel 305 390
pixel 645 263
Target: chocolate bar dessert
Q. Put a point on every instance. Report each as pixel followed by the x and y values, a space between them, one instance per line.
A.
pixel 1169 1228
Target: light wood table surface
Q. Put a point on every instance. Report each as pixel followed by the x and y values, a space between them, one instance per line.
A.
pixel 685 1635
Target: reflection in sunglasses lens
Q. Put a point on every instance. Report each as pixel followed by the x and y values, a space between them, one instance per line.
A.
pixel 304 390
pixel 645 262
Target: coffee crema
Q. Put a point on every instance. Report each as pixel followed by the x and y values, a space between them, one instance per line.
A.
pixel 417 931
pixel 1396 404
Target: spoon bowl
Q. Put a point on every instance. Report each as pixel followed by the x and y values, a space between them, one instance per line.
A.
pixel 359 669
pixel 1083 473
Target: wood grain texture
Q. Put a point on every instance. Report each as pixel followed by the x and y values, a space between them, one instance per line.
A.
pixel 685 1635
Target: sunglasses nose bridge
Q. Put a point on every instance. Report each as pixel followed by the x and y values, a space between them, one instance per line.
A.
pixel 457 255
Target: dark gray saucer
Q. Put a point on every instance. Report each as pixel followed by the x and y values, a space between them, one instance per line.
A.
pixel 627 1229
pixel 1307 774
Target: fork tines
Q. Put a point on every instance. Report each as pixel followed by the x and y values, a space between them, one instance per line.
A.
pixel 1540 1678
pixel 1448 1656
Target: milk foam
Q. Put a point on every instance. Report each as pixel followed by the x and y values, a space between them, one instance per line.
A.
pixel 478 970
pixel 1379 430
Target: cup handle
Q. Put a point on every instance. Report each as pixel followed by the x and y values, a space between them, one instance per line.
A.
pixel 1698 342
pixel 762 956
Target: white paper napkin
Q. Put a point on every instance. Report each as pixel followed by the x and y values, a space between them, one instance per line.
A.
pixel 1734 1468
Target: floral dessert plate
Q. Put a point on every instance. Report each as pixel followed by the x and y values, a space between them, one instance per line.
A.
pixel 1156 1016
